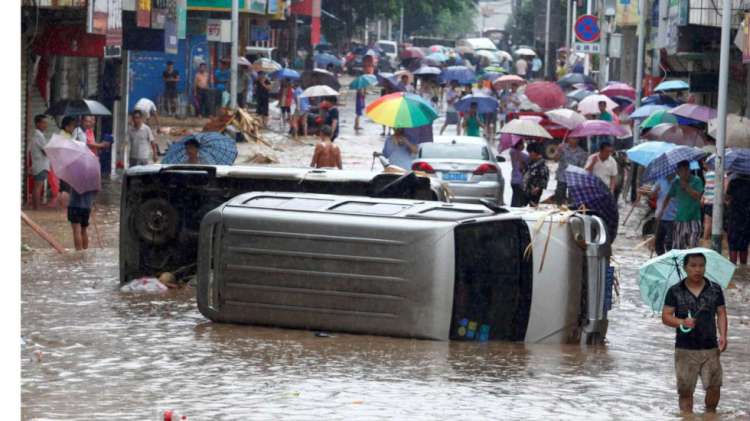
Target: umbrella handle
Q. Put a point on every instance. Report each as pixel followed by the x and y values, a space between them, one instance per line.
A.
pixel 684 329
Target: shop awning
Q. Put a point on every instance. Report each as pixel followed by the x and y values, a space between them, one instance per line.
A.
pixel 69 40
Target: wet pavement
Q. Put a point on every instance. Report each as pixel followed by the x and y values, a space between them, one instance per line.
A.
pixel 94 352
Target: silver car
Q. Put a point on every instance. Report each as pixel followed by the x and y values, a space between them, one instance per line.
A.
pixel 467 164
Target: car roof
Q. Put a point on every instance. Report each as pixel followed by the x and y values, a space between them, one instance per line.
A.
pixel 460 140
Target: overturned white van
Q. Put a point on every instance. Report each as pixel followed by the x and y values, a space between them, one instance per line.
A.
pixel 407 268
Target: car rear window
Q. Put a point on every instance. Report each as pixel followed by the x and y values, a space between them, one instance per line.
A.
pixel 388 48
pixel 454 151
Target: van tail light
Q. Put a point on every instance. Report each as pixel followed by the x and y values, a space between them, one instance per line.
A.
pixel 485 169
pixel 422 166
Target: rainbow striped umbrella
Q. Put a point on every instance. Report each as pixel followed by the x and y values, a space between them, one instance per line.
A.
pixel 401 110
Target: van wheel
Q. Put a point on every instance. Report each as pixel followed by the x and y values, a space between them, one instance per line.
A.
pixel 550 148
pixel 156 221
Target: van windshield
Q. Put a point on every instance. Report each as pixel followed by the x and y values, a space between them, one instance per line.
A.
pixel 453 151
pixel 388 48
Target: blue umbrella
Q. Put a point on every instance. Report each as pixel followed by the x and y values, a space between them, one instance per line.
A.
pixel 588 191
pixel 666 164
pixel 427 70
pixel 621 101
pixel 579 94
pixel 735 160
pixel 387 80
pixel 485 104
pixel 285 73
pixel 461 74
pixel 672 85
pixel 324 59
pixel 660 100
pixel 646 152
pixel 438 57
pixel 657 275
pixel 644 111
pixel 215 149
pixel 363 82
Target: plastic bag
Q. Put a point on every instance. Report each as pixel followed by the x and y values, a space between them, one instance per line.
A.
pixel 144 284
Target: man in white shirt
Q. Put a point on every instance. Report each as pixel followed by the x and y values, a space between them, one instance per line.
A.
pixel 521 67
pixel 603 165
pixel 140 141
pixel 149 111
pixel 39 161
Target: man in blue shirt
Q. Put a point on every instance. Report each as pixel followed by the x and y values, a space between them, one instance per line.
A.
pixel 399 150
pixel 221 78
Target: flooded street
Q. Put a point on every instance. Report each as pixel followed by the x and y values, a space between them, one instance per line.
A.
pixel 94 352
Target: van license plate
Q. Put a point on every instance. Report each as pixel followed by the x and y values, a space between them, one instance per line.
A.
pixel 454 176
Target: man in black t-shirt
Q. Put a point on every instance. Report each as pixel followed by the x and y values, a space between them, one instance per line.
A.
pixel 331 117
pixel 694 307
pixel 171 77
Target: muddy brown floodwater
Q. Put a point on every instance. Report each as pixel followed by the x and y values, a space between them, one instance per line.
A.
pixel 92 352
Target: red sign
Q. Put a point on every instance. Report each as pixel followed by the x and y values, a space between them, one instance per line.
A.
pixel 143 14
pixel 587 28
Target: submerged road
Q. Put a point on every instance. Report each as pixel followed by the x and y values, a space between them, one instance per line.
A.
pixel 93 352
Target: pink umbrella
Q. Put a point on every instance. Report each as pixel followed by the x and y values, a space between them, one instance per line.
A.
pixel 597 128
pixel 508 141
pixel 694 112
pixel 74 163
pixel 508 80
pixel 590 104
pixel 619 89
pixel 547 95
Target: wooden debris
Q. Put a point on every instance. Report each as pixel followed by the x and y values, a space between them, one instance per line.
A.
pixel 42 233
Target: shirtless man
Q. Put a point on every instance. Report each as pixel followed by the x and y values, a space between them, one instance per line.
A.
pixel 326 155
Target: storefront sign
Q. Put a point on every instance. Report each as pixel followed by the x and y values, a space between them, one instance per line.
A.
pixel 181 19
pixel 218 5
pixel 114 23
pixel 273 7
pixel 627 13
pixel 219 30
pixel 143 14
pixel 587 47
pixel 96 17
pixel 170 37
pixel 258 6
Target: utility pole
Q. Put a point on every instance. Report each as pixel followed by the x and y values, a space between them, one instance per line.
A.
pixel 390 30
pixel 639 66
pixel 378 30
pixel 546 39
pixel 401 25
pixel 568 19
pixel 587 61
pixel 718 214
pixel 235 53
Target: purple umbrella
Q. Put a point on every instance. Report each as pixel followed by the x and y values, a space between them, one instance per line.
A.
pixel 694 112
pixel 588 191
pixel 597 128
pixel 74 163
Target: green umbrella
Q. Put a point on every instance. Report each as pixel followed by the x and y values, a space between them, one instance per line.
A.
pixel 495 69
pixel 658 274
pixel 363 82
pixel 658 117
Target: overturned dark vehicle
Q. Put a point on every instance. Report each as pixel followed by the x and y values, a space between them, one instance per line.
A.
pixel 162 205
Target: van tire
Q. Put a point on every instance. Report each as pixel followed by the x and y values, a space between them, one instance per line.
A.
pixel 550 148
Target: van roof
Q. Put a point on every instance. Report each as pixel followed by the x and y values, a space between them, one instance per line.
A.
pixel 359 205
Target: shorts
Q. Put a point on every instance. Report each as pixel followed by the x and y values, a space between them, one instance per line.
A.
pixel 79 216
pixel 708 210
pixel 451 117
pixel 490 117
pixel 689 363
pixel 286 110
pixel 262 108
pixel 686 234
pixel 41 176
pixel 170 93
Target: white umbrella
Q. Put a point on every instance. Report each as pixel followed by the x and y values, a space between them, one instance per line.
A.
pixel 400 73
pixel 266 65
pixel 738 131
pixel 242 61
pixel 528 128
pixel 590 104
pixel 504 55
pixel 565 117
pixel 525 52
pixel 319 90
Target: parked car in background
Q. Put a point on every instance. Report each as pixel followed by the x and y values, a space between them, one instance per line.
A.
pixel 467 164
pixel 390 50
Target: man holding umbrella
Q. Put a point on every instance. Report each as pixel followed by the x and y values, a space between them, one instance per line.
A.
pixel 694 307
pixel 687 191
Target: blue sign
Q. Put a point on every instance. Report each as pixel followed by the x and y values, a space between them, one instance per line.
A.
pixel 587 28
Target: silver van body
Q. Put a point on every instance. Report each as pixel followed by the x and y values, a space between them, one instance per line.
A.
pixel 406 268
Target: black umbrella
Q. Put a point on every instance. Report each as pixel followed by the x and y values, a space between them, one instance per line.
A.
pixel 75 107
pixel 567 81
pixel 320 77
